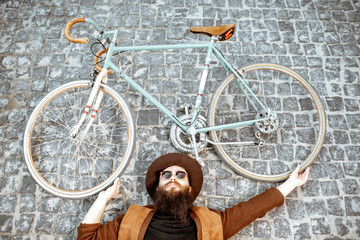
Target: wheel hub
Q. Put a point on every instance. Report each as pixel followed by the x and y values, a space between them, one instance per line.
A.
pixel 267 126
pixel 182 141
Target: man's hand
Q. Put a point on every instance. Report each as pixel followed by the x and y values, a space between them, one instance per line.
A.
pixel 97 209
pixel 111 192
pixel 296 179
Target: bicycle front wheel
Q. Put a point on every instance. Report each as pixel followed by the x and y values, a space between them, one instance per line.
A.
pixel 267 150
pixel 78 167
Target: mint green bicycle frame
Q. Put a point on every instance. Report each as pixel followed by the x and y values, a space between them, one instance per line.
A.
pixel 211 50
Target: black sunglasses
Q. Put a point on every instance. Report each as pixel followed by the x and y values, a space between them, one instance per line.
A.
pixel 168 174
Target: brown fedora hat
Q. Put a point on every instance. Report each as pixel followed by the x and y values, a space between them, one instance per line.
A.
pixel 179 159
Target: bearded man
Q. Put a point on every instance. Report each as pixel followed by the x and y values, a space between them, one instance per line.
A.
pixel 174 181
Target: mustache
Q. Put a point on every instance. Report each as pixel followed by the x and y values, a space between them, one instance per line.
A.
pixel 173 182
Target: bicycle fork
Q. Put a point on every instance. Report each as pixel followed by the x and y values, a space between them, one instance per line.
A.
pixel 102 77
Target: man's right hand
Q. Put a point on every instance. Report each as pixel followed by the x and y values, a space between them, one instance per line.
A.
pixel 97 209
pixel 111 192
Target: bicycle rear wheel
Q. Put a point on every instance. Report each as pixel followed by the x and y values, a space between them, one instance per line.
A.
pixel 78 167
pixel 294 137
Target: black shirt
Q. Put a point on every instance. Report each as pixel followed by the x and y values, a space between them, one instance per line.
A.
pixel 165 227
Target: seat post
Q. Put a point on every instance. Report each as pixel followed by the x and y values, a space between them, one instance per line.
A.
pixel 215 38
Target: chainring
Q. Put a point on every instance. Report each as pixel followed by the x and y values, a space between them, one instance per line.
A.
pixel 182 141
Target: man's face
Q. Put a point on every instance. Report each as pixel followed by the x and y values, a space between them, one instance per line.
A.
pixel 174 184
pixel 173 194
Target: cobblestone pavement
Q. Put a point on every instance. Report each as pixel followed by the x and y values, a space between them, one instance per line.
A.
pixel 320 38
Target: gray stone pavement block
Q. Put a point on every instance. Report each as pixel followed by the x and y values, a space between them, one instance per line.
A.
pixel 318 39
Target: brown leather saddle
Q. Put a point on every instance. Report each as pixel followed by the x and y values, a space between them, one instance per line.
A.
pixel 223 32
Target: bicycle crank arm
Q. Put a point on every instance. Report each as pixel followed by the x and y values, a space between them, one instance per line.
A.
pixel 192 132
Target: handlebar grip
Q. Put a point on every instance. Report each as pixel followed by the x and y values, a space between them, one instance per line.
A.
pixel 84 40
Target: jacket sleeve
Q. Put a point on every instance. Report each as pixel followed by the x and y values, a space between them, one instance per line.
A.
pixel 236 218
pixel 94 231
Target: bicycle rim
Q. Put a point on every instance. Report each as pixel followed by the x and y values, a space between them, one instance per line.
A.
pixel 294 138
pixel 78 167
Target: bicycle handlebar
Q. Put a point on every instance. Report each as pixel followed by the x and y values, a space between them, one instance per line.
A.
pixel 84 40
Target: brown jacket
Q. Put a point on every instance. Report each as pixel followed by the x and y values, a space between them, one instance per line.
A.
pixel 232 219
pixel 137 219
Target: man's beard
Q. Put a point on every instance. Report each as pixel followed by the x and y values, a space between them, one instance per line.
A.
pixel 175 204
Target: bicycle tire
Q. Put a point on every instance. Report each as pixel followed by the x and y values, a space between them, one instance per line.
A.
pixel 78 168
pixel 297 136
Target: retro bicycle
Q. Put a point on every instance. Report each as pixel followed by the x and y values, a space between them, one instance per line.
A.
pixel 263 120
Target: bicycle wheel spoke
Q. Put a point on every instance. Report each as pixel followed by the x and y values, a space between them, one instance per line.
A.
pixel 59 115
pixel 54 153
pixel 51 132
